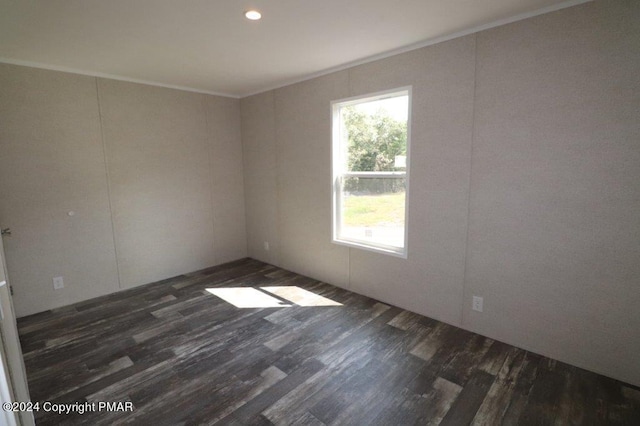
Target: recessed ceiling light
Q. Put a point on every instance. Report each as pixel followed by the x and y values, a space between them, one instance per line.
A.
pixel 253 15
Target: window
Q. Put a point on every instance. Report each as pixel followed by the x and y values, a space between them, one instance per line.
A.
pixel 370 171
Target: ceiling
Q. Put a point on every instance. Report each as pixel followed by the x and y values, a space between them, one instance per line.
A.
pixel 208 45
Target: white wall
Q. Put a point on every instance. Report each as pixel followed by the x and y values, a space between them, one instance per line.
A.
pixel 440 154
pixel 554 230
pixel 304 212
pixel 261 176
pixel 525 183
pixel 51 163
pixel 153 175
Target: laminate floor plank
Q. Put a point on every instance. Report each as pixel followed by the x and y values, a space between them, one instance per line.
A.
pixel 181 355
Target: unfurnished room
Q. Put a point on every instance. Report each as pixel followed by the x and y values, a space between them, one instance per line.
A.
pixel 229 212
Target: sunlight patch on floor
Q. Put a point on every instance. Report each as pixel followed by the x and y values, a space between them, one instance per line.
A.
pixel 263 297
pixel 247 297
pixel 300 296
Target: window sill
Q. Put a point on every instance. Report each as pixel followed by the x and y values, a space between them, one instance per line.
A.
pixel 391 251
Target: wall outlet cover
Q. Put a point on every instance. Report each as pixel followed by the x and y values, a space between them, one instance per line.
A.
pixel 477 303
pixel 58 283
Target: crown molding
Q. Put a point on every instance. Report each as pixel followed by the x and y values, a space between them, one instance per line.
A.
pixel 39 65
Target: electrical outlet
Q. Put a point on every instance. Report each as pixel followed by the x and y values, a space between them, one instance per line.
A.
pixel 58 283
pixel 476 305
pixel 266 246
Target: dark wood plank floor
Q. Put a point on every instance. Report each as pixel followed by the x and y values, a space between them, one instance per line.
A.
pixel 184 356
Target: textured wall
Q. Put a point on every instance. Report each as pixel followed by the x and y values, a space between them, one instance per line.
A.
pixel 159 174
pixel 303 144
pixel 52 163
pixel 554 238
pixel 260 176
pixel 227 174
pixel 153 176
pixel 431 279
pixel 524 183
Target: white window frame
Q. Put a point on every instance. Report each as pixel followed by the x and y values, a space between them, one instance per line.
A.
pixel 337 172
